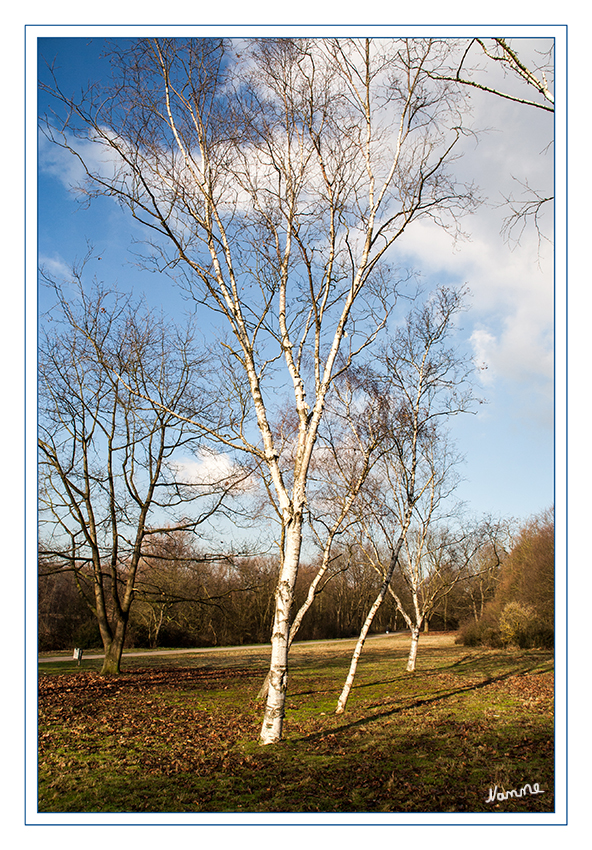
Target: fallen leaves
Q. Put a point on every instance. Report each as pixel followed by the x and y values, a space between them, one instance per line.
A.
pixel 184 739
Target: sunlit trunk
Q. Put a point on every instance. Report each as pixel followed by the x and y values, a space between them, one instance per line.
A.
pixel 357 652
pixel 157 627
pixel 273 720
pixel 342 701
pixel 310 597
pixel 413 649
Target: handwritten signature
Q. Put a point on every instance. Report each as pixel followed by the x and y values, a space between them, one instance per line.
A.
pixel 495 795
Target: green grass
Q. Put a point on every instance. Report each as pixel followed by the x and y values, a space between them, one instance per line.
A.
pixel 179 733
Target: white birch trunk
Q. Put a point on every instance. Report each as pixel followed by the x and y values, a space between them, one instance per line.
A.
pixel 298 619
pixel 413 649
pixel 341 703
pixel 273 719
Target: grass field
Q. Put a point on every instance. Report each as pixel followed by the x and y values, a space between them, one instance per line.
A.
pixel 178 733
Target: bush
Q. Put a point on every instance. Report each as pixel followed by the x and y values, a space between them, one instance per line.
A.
pixel 479 634
pixel 521 626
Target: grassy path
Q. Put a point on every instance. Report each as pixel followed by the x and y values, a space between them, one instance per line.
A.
pixel 94 655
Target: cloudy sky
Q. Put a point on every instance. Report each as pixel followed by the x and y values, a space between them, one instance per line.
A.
pixel 508 444
pixel 509 449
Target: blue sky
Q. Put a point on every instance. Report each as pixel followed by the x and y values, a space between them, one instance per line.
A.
pixel 508 444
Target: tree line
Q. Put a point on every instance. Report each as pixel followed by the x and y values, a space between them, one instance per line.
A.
pixel 522 609
pixel 186 599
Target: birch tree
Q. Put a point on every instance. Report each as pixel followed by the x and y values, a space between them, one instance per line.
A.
pixel 496 67
pixel 424 380
pixel 536 76
pixel 107 455
pixel 349 445
pixel 275 177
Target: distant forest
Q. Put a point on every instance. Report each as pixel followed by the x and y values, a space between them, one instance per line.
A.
pixel 185 599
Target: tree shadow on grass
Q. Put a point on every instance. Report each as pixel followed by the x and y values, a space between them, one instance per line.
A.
pixel 462 665
pixel 485 660
pixel 417 703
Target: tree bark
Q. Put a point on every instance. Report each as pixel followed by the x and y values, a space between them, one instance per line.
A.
pixel 413 649
pixel 273 719
pixel 342 701
pixel 357 652
pixel 114 650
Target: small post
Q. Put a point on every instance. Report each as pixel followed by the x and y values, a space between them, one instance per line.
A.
pixel 78 655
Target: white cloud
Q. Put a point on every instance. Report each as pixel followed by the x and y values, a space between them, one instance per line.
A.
pixel 62 164
pixel 210 468
pixel 56 267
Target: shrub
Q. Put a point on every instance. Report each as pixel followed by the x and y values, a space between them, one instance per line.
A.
pixel 521 626
pixel 479 634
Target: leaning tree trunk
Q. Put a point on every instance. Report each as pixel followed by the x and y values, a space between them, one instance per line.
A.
pixel 341 703
pixel 357 652
pixel 273 719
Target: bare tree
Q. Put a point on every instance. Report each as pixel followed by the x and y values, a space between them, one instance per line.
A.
pixel 431 568
pixel 424 380
pixel 502 53
pixel 505 74
pixel 484 549
pixel 275 176
pixel 348 446
pixel 108 457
